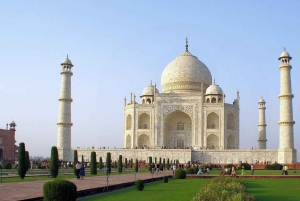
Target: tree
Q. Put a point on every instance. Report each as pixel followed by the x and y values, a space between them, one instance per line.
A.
pixel 126 163
pixel 164 163
pixel 131 163
pixel 75 160
pixel 136 165
pixel 82 159
pixel 108 163
pixel 115 165
pixel 155 161
pixel 27 160
pixel 54 162
pixel 120 164
pixel 159 160
pixel 100 163
pixel 93 163
pixel 168 164
pixel 150 162
pixel 22 161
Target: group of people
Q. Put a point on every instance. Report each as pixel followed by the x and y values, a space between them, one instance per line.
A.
pixel 157 168
pixel 80 172
pixel 200 171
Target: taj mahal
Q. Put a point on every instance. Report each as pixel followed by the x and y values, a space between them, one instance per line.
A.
pixel 189 120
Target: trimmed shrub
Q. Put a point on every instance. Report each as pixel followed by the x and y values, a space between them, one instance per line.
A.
pixel 126 165
pixel 22 161
pixel 108 162
pixel 150 162
pixel 100 163
pixel 136 165
pixel 246 166
pixel 93 164
pixel 166 179
pixel 195 170
pixel 180 174
pixel 6 165
pixel 189 170
pixel 168 164
pixel 82 159
pixel 75 159
pixel 275 166
pixel 59 190
pixel 54 162
pixel 229 165
pixel 139 184
pixel 120 164
pixel 27 160
pixel 131 163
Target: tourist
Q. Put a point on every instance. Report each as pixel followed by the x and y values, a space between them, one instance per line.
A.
pixel 243 170
pixel 233 171
pixel 82 172
pixel 152 168
pixel 207 170
pixel 252 169
pixel 78 167
pixel 286 170
pixel 199 171
pixel 283 170
pixel 174 168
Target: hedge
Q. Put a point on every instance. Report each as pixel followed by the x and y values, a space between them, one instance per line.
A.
pixel 59 190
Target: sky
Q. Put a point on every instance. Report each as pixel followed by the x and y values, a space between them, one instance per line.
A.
pixel 118 47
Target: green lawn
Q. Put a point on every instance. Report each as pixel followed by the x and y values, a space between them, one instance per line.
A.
pixel 186 189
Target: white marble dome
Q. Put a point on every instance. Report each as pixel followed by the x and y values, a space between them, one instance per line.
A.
pixel 261 100
pixel 184 74
pixel 149 90
pixel 214 89
pixel 284 54
pixel 67 61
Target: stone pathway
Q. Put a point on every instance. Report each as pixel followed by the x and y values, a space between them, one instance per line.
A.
pixel 34 190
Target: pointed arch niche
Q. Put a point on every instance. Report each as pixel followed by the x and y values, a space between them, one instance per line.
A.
pixel 144 121
pixel 128 142
pixel 177 130
pixel 212 121
pixel 212 142
pixel 143 141
pixel 230 121
pixel 128 122
pixel 230 142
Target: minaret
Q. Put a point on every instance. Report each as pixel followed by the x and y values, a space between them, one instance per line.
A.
pixel 262 141
pixel 64 118
pixel 286 122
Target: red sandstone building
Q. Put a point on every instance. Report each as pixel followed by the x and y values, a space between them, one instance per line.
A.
pixel 8 149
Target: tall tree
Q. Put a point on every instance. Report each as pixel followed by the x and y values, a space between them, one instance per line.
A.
pixel 126 163
pixel 131 163
pixel 164 163
pixel 22 161
pixel 150 162
pixel 100 163
pixel 120 164
pixel 159 160
pixel 136 165
pixel 82 159
pixel 54 162
pixel 168 164
pixel 93 163
pixel 27 160
pixel 75 159
pixel 108 163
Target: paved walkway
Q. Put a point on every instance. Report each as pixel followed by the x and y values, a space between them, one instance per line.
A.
pixel 34 189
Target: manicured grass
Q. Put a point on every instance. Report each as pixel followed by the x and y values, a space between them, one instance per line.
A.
pixel 186 189
pixel 174 190
pixel 273 189
pixel 62 176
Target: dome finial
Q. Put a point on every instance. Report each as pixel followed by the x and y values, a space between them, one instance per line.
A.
pixel 186 44
pixel 67 56
pixel 284 48
pixel 214 81
pixel 150 82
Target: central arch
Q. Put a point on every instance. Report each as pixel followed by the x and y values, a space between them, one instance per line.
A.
pixel 143 141
pixel 177 130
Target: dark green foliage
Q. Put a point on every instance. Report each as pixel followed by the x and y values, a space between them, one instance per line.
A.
pixel 275 166
pixel 229 165
pixel 207 166
pixel 190 170
pixel 246 166
pixel 22 161
pixel 180 174
pixel 166 179
pixel 6 165
pixel 150 162
pixel 139 184
pixel 108 161
pixel 164 163
pixel 39 166
pixel 115 165
pixel 155 161
pixel 93 163
pixel 27 160
pixel 100 163
pixel 54 162
pixel 75 159
pixel 120 164
pixel 82 159
pixel 126 165
pixel 159 160
pixel 131 163
pixel 59 190
pixel 196 170
pixel 136 165
pixel 168 164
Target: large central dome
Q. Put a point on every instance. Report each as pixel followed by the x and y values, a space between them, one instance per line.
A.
pixel 185 74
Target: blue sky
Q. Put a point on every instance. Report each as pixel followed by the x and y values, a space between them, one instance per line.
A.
pixel 119 46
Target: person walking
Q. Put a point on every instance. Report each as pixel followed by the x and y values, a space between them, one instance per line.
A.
pixel 78 167
pixel 252 169
pixel 286 170
pixel 174 168
pixel 243 170
pixel 82 172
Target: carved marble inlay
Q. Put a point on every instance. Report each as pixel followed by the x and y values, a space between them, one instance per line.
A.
pixel 171 108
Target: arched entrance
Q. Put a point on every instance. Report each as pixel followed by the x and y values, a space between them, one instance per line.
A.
pixel 230 142
pixel 213 142
pixel 143 141
pixel 177 130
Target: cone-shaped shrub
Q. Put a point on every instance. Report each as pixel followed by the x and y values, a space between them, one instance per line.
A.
pixel 93 163
pixel 120 164
pixel 27 160
pixel 82 159
pixel 22 161
pixel 139 184
pixel 131 163
pixel 166 179
pixel 108 162
pixel 126 163
pixel 150 162
pixel 164 163
pixel 136 165
pixel 168 164
pixel 75 159
pixel 59 190
pixel 100 163
pixel 54 162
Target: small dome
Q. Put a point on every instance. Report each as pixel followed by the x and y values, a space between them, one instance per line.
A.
pixel 13 124
pixel 149 90
pixel 285 54
pixel 214 89
pixel 261 100
pixel 67 61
